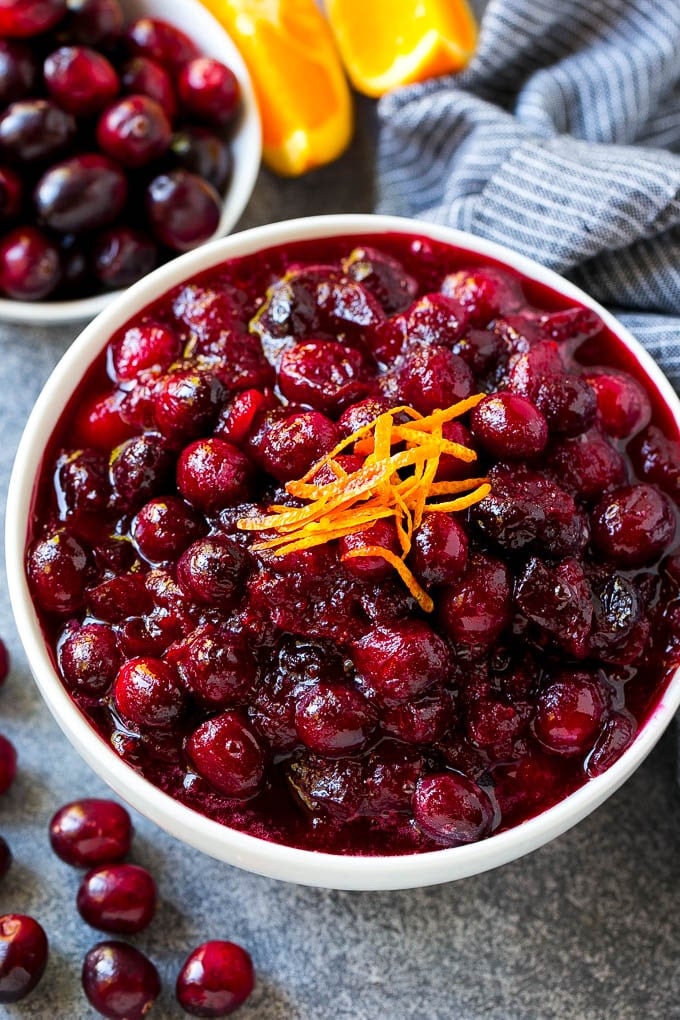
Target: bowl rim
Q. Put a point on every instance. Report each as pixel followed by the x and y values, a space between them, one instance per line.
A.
pixel 246 145
pixel 275 860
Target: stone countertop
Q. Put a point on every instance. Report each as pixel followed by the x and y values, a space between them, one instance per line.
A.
pixel 586 928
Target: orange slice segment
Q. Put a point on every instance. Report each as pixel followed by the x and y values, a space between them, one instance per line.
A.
pixel 301 88
pixel 386 43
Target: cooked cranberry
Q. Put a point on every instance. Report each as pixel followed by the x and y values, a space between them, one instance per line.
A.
pixel 240 415
pixel 57 568
pixel 557 598
pixel 183 209
pixel 656 459
pixel 529 369
pixel 215 979
pixel 160 41
pixel 4 662
pixel 615 737
pixel 146 692
pixel 324 374
pixel 433 319
pixel 115 598
pixel 570 712
pixel 82 193
pixel 91 831
pixel 431 377
pixel 509 425
pixel 118 898
pixel 29 264
pixel 452 468
pixel 80 80
pixel 568 403
pixel 209 91
pixel 18 71
pixel 570 326
pixel 140 468
pixel 11 194
pixel 81 482
pixel 617 612
pixel 452 809
pixel 474 610
pixel 149 346
pixel 494 724
pixel 329 787
pixel 588 465
pixel 363 413
pixel 483 293
pixel 119 981
pixel 440 547
pixel 23 956
pixel 290 446
pixel 97 23
pixel 187 403
pixel 99 422
pixel 216 666
pixel 34 129
pixel 383 276
pixel 225 751
pixel 122 256
pixel 5 857
pixel 398 663
pixel 142 76
pixel 26 18
pixel 211 570
pixel 623 404
pixel 370 568
pixel 164 527
pixel 8 764
pixel 333 719
pixel 423 721
pixel 203 152
pixel 213 474
pixel 481 349
pixel 89 658
pixel 632 526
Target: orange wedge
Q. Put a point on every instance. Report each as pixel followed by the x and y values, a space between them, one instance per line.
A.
pixel 386 43
pixel 301 88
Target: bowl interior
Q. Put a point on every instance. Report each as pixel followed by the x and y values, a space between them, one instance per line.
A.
pixel 270 859
pixel 246 143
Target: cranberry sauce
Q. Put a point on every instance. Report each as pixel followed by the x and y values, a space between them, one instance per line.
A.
pixel 308 698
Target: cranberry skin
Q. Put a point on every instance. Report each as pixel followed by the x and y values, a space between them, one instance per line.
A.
pixel 11 194
pixel 622 402
pixel 570 713
pixel 122 256
pixel 474 610
pixel 5 857
pixel 187 403
pixel 4 662
pixel 160 41
pixel 18 71
pixel 23 956
pixel 29 265
pixel 634 525
pixel 291 446
pixel 211 570
pixel 216 667
pixel 383 276
pixel 141 76
pixel 215 979
pixel 119 981
pixel 452 809
pixel 21 19
pixel 400 662
pixel 587 465
pixel 82 193
pixel 80 80
pixel 205 153
pixel 440 549
pixel 183 209
pixel 34 129
pixel 164 527
pixel 91 831
pixel 8 764
pixel 57 568
pixel 322 374
pixel 117 898
pixel 146 692
pixel 213 474
pixel 225 751
pixel 509 425
pixel 616 736
pixel 209 91
pixel 333 719
pixel 370 568
pixel 423 721
pixel 96 23
pixel 139 469
pixel 89 659
pixel 432 378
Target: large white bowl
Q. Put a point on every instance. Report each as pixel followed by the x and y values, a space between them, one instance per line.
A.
pixel 246 146
pixel 271 859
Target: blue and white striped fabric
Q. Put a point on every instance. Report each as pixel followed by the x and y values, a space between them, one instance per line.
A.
pixel 559 141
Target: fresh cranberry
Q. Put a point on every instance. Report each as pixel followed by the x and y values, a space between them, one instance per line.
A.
pixel 57 568
pixel 475 609
pixel 570 712
pixel 135 131
pixel 4 662
pixel 160 41
pixel 146 692
pixel 452 809
pixel 23 956
pixel 483 293
pixel 187 403
pixel 97 23
pixel 205 153
pixel 423 721
pixel 18 71
pixel 209 91
pixel 91 831
pixel 333 719
pixel 370 568
pixel 288 447
pixel 508 425
pixel 440 549
pixel 82 193
pixel 89 658
pixel 29 264
pixel 122 256
pixel 151 346
pixel 632 526
pixel 139 469
pixel 215 979
pixel 183 209
pixel 5 857
pixel 225 751
pixel 323 374
pixel 587 465
pixel 211 570
pixel 656 459
pixel 119 981
pixel 8 764
pixel 34 129
pixel 80 80
pixel 141 76
pixel 431 378
pixel 117 898
pixel 164 528
pixel 213 474
pixel 215 666
pixel 398 663
pixel 26 18
pixel 622 402
pixel 11 194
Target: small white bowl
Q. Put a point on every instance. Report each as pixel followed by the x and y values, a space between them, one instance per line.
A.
pixel 272 859
pixel 246 146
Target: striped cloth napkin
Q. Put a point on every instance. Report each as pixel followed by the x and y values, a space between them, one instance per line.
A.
pixel 559 141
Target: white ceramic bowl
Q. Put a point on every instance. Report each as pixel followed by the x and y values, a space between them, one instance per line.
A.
pixel 213 41
pixel 271 859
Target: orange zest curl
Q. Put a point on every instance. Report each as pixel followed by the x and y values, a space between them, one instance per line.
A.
pixel 396 480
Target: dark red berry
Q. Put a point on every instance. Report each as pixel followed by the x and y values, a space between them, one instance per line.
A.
pixel 211 569
pixel 323 374
pixel 205 153
pixel 209 91
pixel 160 41
pixel 80 80
pixel 334 719
pixel 18 71
pixel 25 18
pixel 23 956
pixel 370 568
pixel 117 898
pixel 569 713
pixel 400 662
pixel 122 256
pixel 288 447
pixel 147 693
pixel 140 348
pixel 82 193
pixel 29 265
pixel 215 979
pixel 632 526
pixel 216 666
pixel 622 402
pixel 8 764
pixel 432 378
pixel 119 981
pixel 508 425
pixel 89 832
pixel 183 209
pixel 142 76
pixel 164 527
pixel 474 610
pixel 11 194
pixel 134 131
pixel 57 568
pixel 89 658
pixel 225 751
pixel 97 23
pixel 34 129
pixel 187 403
pixel 484 293
pixel 452 809
pixel 213 474
pixel 440 546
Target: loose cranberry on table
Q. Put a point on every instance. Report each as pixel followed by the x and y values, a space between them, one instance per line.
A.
pixel 23 956
pixel 119 981
pixel 118 898
pixel 4 662
pixel 8 764
pixel 91 831
pixel 5 857
pixel 215 979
